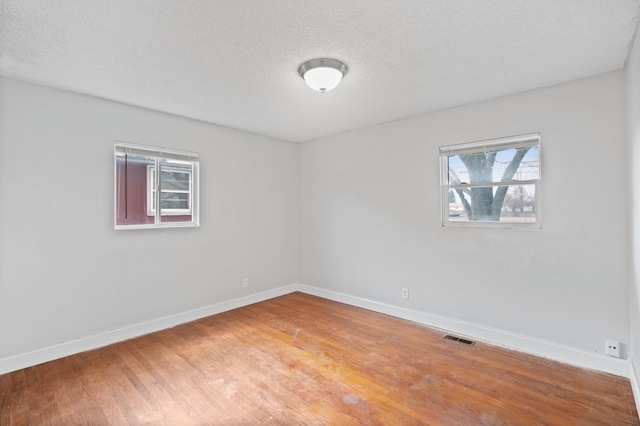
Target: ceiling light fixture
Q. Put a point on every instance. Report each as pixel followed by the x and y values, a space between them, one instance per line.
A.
pixel 322 74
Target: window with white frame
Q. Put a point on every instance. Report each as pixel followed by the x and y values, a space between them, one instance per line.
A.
pixel 492 183
pixel 176 186
pixel 137 185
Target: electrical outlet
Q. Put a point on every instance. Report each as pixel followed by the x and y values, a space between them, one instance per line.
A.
pixel 245 282
pixel 612 348
pixel 405 293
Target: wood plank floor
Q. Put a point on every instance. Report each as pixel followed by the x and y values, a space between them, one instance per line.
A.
pixel 299 359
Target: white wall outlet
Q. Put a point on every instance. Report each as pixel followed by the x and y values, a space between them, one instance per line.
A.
pixel 405 293
pixel 612 348
pixel 245 282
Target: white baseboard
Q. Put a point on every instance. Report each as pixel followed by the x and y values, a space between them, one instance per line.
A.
pixel 531 345
pixel 635 384
pixel 504 338
pixel 39 356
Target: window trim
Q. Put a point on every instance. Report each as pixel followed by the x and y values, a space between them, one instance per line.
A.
pixel 159 154
pixel 498 144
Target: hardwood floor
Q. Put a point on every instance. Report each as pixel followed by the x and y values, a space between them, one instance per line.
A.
pixel 299 359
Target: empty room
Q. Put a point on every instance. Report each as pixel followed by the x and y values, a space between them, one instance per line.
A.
pixel 237 212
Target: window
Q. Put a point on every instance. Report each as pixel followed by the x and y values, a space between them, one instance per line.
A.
pixel 176 191
pixel 137 186
pixel 492 183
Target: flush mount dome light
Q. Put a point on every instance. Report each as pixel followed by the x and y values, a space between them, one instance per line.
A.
pixel 322 74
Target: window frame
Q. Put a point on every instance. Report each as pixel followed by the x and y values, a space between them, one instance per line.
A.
pixel 498 144
pixel 158 155
pixel 151 189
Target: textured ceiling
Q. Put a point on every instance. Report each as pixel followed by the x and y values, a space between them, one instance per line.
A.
pixel 235 62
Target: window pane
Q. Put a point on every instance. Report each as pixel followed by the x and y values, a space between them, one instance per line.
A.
pixel 175 180
pixel 131 189
pixel 177 191
pixel 494 166
pixel 504 204
pixel 174 200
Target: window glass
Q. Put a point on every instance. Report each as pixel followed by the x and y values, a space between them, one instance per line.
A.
pixel 492 183
pixel 137 186
pixel 491 166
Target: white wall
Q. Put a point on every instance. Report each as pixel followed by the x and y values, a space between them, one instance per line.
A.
pixel 370 218
pixel 368 222
pixel 65 274
pixel 633 125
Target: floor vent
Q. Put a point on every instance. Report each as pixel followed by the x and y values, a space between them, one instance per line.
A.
pixel 460 339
